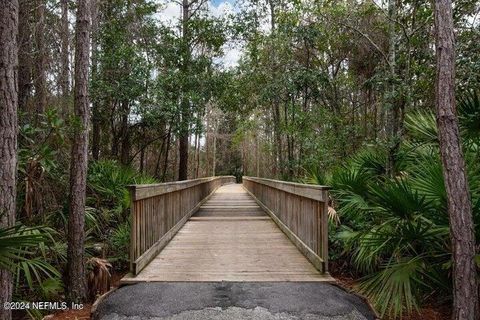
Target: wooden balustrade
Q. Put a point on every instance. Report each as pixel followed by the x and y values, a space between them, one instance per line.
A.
pixel 301 212
pixel 158 211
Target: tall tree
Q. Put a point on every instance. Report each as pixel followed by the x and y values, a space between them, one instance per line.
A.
pixel 392 114
pixel 40 67
pixel 185 103
pixel 279 162
pixel 76 282
pixel 465 294
pixel 96 119
pixel 24 54
pixel 8 132
pixel 64 73
pixel 201 39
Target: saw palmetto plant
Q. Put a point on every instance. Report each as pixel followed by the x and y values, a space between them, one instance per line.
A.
pixel 395 229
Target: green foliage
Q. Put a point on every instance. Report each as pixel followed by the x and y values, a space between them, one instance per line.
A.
pixel 388 225
pixel 42 165
pixel 34 253
pixel 395 230
pixel 14 244
pixel 109 196
pixel 120 243
pixel 316 175
pixel 51 128
pixel 108 181
pixel 25 252
pixel 469 116
pixel 307 102
pixel 394 287
pixel 422 127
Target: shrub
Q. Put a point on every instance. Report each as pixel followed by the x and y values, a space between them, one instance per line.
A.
pixel 395 230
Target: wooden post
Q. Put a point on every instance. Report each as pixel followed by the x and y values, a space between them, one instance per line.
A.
pixel 133 227
pixel 324 225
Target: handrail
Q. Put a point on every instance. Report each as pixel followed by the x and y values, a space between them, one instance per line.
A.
pixel 150 190
pixel 159 210
pixel 299 210
pixel 301 189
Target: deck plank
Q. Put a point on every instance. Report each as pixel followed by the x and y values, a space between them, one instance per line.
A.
pixel 230 239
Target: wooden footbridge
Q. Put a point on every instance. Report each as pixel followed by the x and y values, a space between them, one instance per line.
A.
pixel 212 229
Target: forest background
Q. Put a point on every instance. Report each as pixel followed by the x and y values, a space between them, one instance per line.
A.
pixel 328 92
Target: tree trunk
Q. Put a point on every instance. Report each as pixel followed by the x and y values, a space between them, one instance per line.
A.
pixel 214 165
pixel 175 159
pixel 271 4
pixel 114 132
pixel 124 133
pixel 96 131
pixel 392 113
pixel 40 79
pixel 159 157
pixel 185 107
pixel 167 150
pixel 197 155
pixel 183 158
pixel 142 159
pixel 76 281
pixel 64 73
pixel 96 114
pixel 206 156
pixel 465 295
pixel 278 140
pixel 8 133
pixel 257 159
pixel 24 55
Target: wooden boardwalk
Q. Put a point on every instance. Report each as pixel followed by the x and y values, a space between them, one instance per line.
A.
pixel 230 238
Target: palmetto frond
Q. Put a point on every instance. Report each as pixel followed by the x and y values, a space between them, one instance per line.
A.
pixel 350 189
pixel 469 116
pixel 15 243
pixel 23 251
pixel 398 199
pixel 422 127
pixel 388 223
pixel 394 289
pixel 372 161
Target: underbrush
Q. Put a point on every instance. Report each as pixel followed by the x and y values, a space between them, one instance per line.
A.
pixel 391 232
pixel 35 250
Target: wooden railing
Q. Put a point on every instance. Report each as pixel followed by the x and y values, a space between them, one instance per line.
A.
pixel 158 211
pixel 300 210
